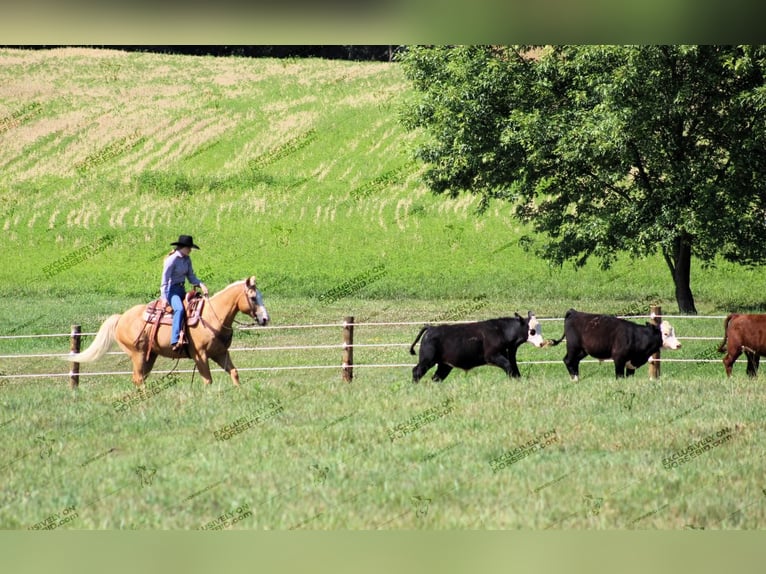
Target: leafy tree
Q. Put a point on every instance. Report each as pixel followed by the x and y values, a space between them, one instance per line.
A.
pixel 604 149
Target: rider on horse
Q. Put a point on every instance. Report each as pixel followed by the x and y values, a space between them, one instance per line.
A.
pixel 177 269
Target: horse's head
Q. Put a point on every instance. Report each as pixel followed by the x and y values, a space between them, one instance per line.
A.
pixel 252 303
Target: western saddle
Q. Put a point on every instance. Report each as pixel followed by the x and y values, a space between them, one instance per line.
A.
pixel 157 314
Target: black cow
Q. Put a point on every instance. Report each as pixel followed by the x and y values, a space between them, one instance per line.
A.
pixel 607 337
pixel 469 345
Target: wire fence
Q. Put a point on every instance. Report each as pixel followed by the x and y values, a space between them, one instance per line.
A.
pixel 340 346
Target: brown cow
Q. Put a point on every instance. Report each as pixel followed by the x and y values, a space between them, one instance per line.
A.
pixel 743 333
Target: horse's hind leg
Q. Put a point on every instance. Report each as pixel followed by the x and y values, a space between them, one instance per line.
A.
pixel 142 368
pixel 149 365
pixel 229 367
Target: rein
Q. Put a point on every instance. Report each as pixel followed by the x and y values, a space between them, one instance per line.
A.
pixel 217 333
pixel 223 326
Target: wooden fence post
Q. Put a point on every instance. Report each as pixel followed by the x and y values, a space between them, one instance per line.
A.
pixel 348 349
pixel 654 365
pixel 74 346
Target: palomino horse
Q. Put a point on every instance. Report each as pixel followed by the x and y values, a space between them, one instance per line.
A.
pixel 208 339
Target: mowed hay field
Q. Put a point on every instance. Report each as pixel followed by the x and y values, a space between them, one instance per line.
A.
pixel 299 172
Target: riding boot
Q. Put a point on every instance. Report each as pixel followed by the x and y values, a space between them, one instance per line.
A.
pixel 181 344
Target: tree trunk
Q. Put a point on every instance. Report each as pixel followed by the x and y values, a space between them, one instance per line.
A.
pixel 680 263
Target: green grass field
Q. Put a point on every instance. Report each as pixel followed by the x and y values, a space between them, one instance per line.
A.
pixel 298 171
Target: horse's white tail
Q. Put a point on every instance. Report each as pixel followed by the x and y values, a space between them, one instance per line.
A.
pixel 100 345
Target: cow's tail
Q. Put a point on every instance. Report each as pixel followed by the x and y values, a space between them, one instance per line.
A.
pixel 722 346
pixel 100 345
pixel 554 342
pixel 412 347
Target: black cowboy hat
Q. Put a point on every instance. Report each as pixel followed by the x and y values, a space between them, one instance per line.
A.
pixel 185 241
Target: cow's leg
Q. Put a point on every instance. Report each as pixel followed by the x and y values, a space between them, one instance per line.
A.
pixel 421 369
pixel 442 370
pixel 732 354
pixel 426 360
pixel 753 359
pixel 510 354
pixel 619 368
pixel 502 361
pixel 572 361
pixel 514 367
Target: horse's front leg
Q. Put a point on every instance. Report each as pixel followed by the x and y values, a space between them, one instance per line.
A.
pixel 203 368
pixel 228 366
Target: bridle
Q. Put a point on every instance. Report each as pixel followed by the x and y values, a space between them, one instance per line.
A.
pixel 253 307
pixel 252 314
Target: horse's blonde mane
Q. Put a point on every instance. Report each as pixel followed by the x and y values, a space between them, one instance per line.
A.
pixel 240 282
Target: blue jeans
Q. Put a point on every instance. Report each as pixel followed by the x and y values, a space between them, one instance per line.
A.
pixel 177 294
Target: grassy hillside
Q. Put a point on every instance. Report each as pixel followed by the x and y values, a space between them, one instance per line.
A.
pixel 295 170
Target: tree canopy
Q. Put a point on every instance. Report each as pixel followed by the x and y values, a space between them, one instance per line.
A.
pixel 604 149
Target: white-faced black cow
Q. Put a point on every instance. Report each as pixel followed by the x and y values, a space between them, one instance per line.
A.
pixel 469 345
pixel 607 337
